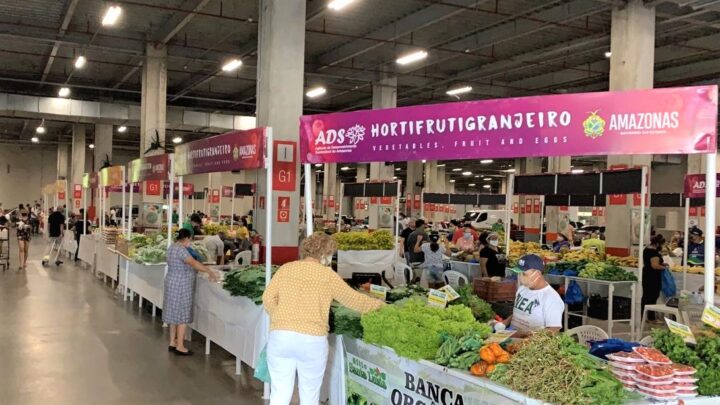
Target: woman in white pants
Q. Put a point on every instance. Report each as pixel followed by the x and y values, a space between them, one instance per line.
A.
pixel 298 301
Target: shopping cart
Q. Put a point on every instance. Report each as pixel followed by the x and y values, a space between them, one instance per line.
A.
pixel 55 245
pixel 4 247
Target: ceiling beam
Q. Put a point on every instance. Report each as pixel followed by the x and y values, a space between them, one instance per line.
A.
pixel 413 22
pixel 69 12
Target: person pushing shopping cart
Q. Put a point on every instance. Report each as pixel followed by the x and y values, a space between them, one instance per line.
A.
pixel 56 223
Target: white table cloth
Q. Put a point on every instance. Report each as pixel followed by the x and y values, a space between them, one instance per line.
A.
pixel 366 261
pixel 87 249
pixel 107 260
pixel 146 280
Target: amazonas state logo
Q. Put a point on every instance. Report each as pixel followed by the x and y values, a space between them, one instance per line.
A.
pixel 594 125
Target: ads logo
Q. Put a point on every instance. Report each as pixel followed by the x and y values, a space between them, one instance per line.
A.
pixel 594 126
pixel 349 136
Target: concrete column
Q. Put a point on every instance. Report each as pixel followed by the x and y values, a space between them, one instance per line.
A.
pixel 361 177
pixel 414 176
pixel 103 145
pixel 384 96
pixel 330 189
pixel 154 96
pixel 78 163
pixel 529 220
pixel 281 62
pixel 552 214
pixel 632 43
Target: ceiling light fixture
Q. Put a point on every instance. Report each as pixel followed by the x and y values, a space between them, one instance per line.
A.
pixel 64 92
pixel 177 140
pixel 232 65
pixel 608 54
pixel 486 186
pixel 316 92
pixel 345 168
pixel 394 177
pixel 318 164
pixel 34 139
pixel 460 90
pixel 80 62
pixel 40 129
pixel 338 5
pixel 467 173
pixel 477 175
pixel 509 171
pixel 486 161
pixel 397 169
pixel 471 185
pixel 111 16
pixel 424 161
pixel 452 181
pixel 411 57
pixel 441 165
pixel 457 169
pixel 487 179
pixel 577 171
pixel 122 128
pixel 91 146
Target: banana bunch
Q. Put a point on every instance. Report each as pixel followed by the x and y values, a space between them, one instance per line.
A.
pixel 519 249
pixel 692 269
pixel 627 261
pixel 587 255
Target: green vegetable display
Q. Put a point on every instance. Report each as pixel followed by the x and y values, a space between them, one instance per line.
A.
pixel 606 271
pixel 360 240
pixel 214 229
pixel 148 249
pixel 705 357
pixel 414 329
pixel 247 282
pixel 399 293
pixel 460 352
pixel 346 322
pixel 482 311
pixel 555 369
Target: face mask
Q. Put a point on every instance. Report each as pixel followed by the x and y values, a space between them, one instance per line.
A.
pixel 468 235
pixel 326 260
pixel 494 242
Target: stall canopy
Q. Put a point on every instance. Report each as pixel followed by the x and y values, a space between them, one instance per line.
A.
pixel 658 121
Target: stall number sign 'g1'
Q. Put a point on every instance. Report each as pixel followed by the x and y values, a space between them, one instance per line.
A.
pixel 284 170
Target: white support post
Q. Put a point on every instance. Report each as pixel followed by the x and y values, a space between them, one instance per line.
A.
pixel 339 205
pixel 309 214
pixel 181 184
pixel 685 242
pixel 641 245
pixel 269 146
pixel 397 215
pixel 124 185
pixel 220 206
pixel 123 229
pixel 171 179
pixel 129 213
pixel 508 209
pixel 422 203
pixel 710 202
pixel 542 218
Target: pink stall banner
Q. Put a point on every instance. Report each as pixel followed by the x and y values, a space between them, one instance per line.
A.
pixel 149 168
pixel 237 150
pixel 695 186
pixel 660 121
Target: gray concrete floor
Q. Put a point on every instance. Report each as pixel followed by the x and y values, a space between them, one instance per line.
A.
pixel 67 338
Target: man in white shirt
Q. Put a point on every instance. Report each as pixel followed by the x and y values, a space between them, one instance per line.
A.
pixel 215 247
pixel 537 305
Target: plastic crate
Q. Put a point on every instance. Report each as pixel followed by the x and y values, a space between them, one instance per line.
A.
pixel 492 291
pixel 598 307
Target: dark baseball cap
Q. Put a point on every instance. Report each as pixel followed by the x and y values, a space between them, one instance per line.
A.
pixel 696 231
pixel 529 262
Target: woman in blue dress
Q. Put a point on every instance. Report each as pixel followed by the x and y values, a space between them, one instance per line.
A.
pixel 180 289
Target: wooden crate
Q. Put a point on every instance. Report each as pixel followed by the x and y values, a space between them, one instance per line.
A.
pixel 492 291
pixel 122 246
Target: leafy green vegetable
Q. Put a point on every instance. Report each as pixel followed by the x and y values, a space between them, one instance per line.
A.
pixel 705 357
pixel 460 352
pixel 606 271
pixel 346 322
pixel 482 311
pixel 414 329
pixel 555 369
pixel 247 282
pixel 398 293
pixel 360 240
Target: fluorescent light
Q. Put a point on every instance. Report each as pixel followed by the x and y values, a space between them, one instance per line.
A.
pixel 471 185
pixel 459 90
pixel 487 179
pixel 486 186
pixel 345 168
pixel 441 165
pixel 91 146
pixel 338 5
pixel 452 181
pixel 486 161
pixel 477 176
pixel 411 57
pixel 111 16
pixel 40 129
pixel 608 54
pixel 424 161
pixel 34 139
pixel 232 65
pixel 318 164
pixel 467 173
pixel 394 177
pixel 177 139
pixel 397 169
pixel 80 62
pixel 457 169
pixel 316 92
pixel 577 171
pixel 64 92
pixel 122 128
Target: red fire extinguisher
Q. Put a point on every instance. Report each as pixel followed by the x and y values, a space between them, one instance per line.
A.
pixel 256 241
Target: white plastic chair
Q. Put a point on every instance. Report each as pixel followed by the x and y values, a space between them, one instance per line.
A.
pixel 403 272
pixel 587 333
pixel 243 258
pixel 454 278
pixel 659 309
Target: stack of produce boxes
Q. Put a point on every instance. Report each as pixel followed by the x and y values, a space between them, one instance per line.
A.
pixel 650 373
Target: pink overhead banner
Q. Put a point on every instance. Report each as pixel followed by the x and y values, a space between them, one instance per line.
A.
pixel 237 150
pixel 149 168
pixel 695 186
pixel 661 121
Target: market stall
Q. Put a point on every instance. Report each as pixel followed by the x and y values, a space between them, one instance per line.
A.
pixel 86 252
pixel 107 259
pixel 559 125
